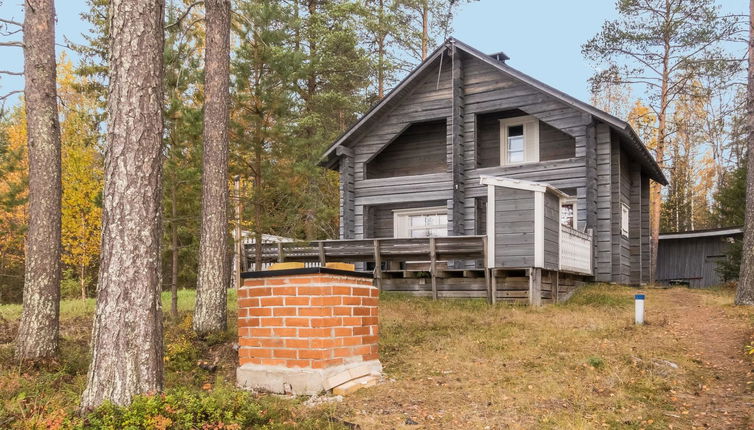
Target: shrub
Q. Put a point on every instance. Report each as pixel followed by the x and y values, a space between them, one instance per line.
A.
pixel 184 409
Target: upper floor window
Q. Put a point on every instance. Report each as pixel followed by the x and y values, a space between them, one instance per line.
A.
pixel 624 214
pixel 519 138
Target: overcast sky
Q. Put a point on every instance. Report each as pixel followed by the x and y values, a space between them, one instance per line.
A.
pixel 543 38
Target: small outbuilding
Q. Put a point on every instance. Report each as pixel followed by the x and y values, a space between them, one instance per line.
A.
pixel 691 257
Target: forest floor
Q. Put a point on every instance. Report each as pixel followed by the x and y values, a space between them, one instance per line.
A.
pixel 459 364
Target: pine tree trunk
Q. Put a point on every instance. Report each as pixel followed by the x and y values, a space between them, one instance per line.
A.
pixel 173 253
pixel 425 29
pixel 258 207
pixel 210 311
pixel 127 335
pixel 38 330
pixel 745 291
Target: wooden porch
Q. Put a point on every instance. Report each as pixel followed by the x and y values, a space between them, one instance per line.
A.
pixel 444 267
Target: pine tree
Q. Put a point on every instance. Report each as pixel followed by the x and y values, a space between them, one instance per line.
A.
pixel 211 304
pixel 127 335
pixel 38 330
pixel 745 290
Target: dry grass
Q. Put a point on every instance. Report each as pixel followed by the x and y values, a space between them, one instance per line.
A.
pixel 583 364
pixel 461 364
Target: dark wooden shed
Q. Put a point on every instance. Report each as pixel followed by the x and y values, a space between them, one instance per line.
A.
pixel 691 257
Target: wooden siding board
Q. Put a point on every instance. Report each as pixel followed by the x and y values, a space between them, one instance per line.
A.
pixel 603 234
pixel 552 232
pixel 636 267
pixel 420 149
pixel 514 239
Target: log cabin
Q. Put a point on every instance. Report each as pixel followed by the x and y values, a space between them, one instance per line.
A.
pixel 471 178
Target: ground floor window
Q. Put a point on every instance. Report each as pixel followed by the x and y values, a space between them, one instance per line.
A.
pixel 421 222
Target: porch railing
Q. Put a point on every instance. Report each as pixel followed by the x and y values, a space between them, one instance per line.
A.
pixel 575 250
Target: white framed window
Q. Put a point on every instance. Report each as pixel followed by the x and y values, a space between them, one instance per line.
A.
pixel 624 213
pixel 568 213
pixel 421 222
pixel 519 140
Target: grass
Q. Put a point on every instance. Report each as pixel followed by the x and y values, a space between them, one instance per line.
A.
pixel 73 308
pixel 449 364
pixel 581 364
pixel 46 395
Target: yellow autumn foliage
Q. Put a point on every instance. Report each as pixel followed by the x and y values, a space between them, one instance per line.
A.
pixel 82 176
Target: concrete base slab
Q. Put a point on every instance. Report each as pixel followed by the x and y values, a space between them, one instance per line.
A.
pixel 300 381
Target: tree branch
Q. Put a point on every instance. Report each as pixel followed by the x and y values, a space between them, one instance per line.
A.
pixel 183 16
pixel 11 22
pixel 5 96
pixel 16 44
pixel 8 72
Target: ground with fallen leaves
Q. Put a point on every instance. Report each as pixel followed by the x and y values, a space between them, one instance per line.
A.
pixel 461 364
pixel 582 364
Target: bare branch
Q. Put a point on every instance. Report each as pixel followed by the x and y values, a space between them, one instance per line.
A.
pixel 8 72
pixel 16 44
pixel 11 22
pixel 5 96
pixel 183 16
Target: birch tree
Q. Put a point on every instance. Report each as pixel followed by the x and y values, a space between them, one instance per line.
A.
pixel 745 290
pixel 210 312
pixel 38 330
pixel 127 356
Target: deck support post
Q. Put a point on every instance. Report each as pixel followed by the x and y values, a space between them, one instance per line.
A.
pixel 433 266
pixel 377 265
pixel 556 286
pixel 487 283
pixel 535 286
pixel 493 285
pixel 281 255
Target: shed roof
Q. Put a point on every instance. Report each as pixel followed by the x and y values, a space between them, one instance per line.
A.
pixel 634 143
pixel 725 231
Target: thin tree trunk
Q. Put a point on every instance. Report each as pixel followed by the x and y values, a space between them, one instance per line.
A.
pixel 174 253
pixel 210 311
pixel 425 29
pixel 381 53
pixel 655 204
pixel 127 336
pixel 258 208
pixel 745 291
pixel 38 330
pixel 82 281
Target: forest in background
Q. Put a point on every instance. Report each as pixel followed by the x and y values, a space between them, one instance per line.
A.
pixel 301 72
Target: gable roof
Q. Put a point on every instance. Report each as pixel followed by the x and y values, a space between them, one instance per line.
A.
pixel 624 129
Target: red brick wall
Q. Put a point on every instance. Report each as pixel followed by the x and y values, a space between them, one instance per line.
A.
pixel 314 321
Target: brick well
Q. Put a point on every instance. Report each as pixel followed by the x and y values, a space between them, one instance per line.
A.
pixel 306 330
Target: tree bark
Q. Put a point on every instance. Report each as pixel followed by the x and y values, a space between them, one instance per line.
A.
pixel 38 330
pixel 210 311
pixel 173 252
pixel 127 350
pixel 745 290
pixel 655 204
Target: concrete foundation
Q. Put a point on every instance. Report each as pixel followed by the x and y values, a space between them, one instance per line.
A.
pixel 302 381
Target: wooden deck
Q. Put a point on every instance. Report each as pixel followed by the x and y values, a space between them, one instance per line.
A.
pixel 441 267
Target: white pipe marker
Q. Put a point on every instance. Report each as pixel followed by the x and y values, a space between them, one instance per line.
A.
pixel 639 308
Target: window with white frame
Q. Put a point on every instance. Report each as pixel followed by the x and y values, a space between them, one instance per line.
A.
pixel 568 213
pixel 421 222
pixel 624 219
pixel 519 140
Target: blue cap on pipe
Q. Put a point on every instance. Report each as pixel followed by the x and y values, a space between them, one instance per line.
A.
pixel 639 297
